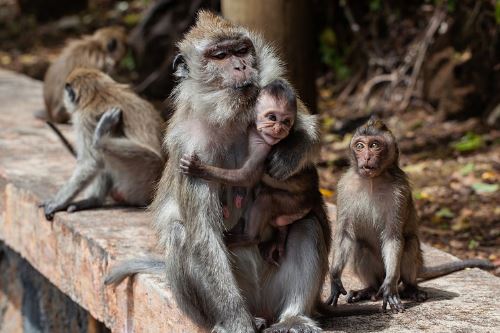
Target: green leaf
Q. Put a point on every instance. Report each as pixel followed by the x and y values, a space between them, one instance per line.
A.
pixel 128 61
pixel 469 142
pixel 375 5
pixel 497 11
pixel 132 19
pixel 484 187
pixel 445 213
pixel 467 169
pixel 473 244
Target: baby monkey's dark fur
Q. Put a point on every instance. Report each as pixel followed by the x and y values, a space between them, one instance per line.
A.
pixel 377 223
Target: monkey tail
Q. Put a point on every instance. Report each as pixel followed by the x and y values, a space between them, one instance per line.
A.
pixel 132 267
pixel 346 310
pixel 428 273
pixel 62 138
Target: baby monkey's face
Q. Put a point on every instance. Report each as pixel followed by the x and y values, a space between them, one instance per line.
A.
pixel 275 118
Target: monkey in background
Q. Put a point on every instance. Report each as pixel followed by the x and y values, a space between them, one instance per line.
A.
pixel 377 224
pixel 118 144
pixel 103 50
pixel 275 113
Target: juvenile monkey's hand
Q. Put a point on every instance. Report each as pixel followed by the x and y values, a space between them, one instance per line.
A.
pixel 107 122
pixel 337 288
pixel 390 295
pixel 192 166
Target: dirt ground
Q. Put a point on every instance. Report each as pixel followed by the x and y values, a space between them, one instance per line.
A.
pixel 454 166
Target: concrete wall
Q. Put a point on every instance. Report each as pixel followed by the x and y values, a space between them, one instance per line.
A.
pixel 29 303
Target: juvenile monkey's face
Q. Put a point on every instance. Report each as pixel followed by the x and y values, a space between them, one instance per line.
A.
pixel 114 42
pixel 274 119
pixel 231 64
pixel 370 153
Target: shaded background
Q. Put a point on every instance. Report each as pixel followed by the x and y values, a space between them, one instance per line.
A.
pixel 430 68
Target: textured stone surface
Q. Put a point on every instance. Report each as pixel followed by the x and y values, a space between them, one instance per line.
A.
pixel 75 250
pixel 30 303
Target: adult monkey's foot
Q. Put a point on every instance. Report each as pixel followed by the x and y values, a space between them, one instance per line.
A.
pixel 294 324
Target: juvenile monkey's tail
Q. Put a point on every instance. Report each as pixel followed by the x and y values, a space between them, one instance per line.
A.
pixel 131 267
pixel 61 137
pixel 346 310
pixel 433 272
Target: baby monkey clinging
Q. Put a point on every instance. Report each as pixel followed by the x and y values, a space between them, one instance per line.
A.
pixel 377 223
pixel 277 203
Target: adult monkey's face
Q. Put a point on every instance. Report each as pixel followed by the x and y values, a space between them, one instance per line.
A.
pixel 231 63
pixel 220 59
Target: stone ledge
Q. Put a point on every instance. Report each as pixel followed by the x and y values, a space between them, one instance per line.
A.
pixel 74 250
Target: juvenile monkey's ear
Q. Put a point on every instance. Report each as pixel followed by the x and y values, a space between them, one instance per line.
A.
pixel 112 44
pixel 179 66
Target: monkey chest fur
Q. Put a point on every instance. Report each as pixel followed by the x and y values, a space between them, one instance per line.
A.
pixel 373 209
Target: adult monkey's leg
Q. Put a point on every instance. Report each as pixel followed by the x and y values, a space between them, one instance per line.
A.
pixel 303 269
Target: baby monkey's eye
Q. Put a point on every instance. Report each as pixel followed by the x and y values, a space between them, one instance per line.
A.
pixel 359 146
pixel 271 117
pixel 287 122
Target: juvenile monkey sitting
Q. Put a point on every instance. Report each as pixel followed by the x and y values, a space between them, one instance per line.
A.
pixel 377 225
pixel 277 203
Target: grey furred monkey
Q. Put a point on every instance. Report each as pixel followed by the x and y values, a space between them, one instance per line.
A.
pixel 118 144
pixel 220 69
pixel 377 225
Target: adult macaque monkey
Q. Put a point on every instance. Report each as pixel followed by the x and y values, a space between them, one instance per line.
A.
pixel 377 223
pixel 118 144
pixel 220 67
pixel 103 50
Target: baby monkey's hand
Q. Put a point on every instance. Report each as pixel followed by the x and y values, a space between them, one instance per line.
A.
pixel 192 166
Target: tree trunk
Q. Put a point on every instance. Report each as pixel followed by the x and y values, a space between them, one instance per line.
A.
pixel 289 25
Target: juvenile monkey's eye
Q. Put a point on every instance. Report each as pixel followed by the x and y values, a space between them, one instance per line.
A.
pixel 375 145
pixel 359 146
pixel 219 55
pixel 271 117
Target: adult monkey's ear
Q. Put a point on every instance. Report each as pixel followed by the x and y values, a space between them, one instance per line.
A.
pixel 180 67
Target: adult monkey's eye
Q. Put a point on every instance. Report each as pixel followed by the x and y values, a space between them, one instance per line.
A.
pixel 219 55
pixel 359 146
pixel 271 117
pixel 242 51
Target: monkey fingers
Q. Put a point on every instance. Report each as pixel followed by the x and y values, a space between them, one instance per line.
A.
pixel 192 166
pixel 107 122
pixel 50 208
pixel 392 299
pixel 337 288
